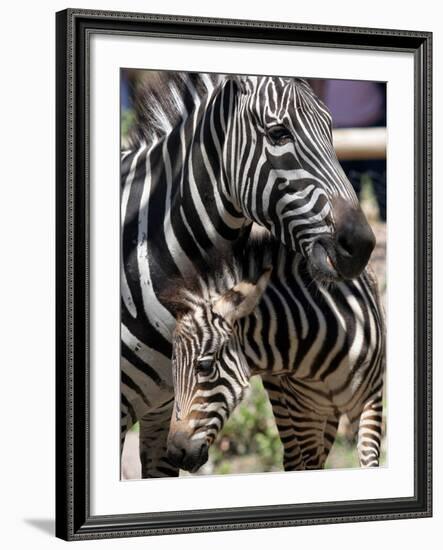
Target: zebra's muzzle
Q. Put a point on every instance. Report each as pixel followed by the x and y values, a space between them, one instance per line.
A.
pixel 345 253
pixel 354 243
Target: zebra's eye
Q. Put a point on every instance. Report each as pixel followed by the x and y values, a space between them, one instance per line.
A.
pixel 204 366
pixel 279 134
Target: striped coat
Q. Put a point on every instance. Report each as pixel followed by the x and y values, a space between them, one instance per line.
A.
pixel 230 151
pixel 320 350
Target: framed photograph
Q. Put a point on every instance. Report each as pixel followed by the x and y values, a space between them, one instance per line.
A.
pixel 243 274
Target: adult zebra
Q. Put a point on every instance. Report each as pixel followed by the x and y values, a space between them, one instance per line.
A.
pixel 320 350
pixel 231 151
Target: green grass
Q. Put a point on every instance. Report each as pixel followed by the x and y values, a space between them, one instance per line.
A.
pixel 249 440
pixel 127 121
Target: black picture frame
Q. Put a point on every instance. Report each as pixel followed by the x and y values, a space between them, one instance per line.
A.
pixel 74 521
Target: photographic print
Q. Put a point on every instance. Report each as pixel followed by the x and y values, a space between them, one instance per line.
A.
pixel 244 306
pixel 253 273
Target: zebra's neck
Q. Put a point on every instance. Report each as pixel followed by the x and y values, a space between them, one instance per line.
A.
pixel 188 180
pixel 176 207
pixel 206 178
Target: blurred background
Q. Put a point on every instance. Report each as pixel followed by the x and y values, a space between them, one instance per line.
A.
pixel 249 441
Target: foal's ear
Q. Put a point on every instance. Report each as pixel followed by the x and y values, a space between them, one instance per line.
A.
pixel 241 299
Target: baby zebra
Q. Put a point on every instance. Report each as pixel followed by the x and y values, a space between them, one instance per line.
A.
pixel 318 346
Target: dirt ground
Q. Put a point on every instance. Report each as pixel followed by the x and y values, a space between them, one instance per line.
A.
pixel 131 467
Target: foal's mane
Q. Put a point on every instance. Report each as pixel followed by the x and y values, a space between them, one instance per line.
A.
pixel 243 260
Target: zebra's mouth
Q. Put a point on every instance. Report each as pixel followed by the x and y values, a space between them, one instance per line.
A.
pixel 322 262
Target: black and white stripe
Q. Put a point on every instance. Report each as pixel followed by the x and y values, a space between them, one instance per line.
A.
pixel 222 153
pixel 320 350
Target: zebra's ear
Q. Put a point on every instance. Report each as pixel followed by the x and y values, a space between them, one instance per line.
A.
pixel 242 298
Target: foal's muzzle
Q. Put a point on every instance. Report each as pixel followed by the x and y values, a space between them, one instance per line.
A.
pixel 187 454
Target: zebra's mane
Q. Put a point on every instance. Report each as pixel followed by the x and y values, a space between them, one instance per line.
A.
pixel 163 99
pixel 245 260
pixel 161 102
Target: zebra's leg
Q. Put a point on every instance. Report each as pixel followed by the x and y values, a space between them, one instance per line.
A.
pixel 292 457
pixel 369 432
pixel 310 427
pixel 147 388
pixel 154 429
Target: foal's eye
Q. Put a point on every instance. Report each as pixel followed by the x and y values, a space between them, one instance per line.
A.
pixel 204 366
pixel 279 134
